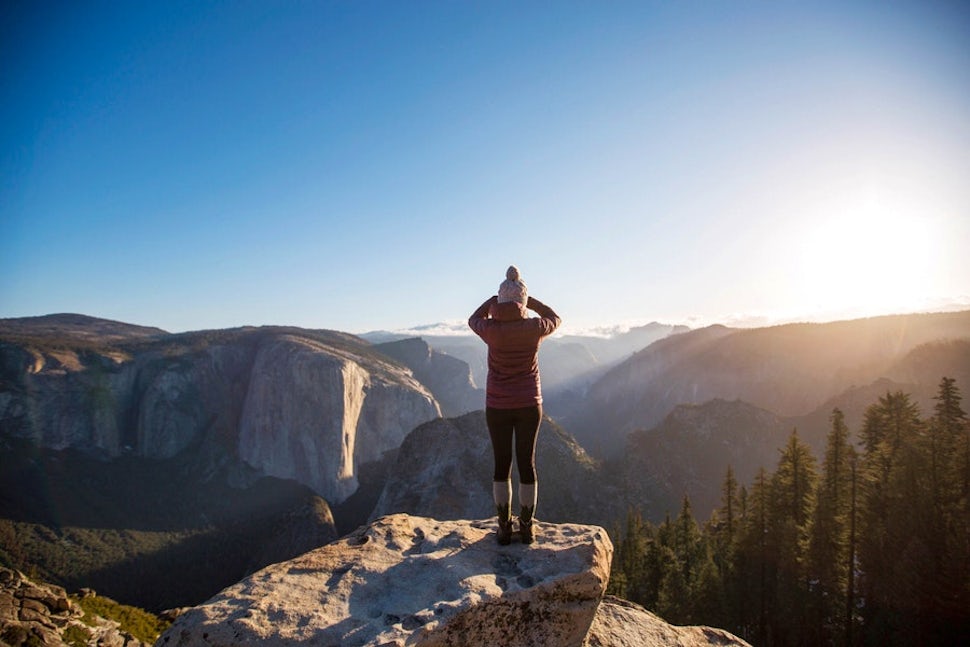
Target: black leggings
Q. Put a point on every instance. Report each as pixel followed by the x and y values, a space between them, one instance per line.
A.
pixel 522 425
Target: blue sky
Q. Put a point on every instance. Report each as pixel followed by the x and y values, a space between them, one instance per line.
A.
pixel 377 165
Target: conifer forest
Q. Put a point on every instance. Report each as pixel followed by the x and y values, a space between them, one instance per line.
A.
pixel 866 545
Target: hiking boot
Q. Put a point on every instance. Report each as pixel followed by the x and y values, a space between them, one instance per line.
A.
pixel 504 533
pixel 525 525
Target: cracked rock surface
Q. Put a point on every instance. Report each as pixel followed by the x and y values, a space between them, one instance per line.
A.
pixel 37 613
pixel 407 580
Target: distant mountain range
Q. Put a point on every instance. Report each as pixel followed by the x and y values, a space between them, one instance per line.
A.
pixel 139 424
pixel 670 418
pixel 567 362
pixel 790 370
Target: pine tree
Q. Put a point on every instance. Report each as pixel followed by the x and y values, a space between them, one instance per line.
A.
pixel 851 562
pixel 792 505
pixel 751 563
pixel 945 431
pixel 895 505
pixel 673 596
pixel 723 532
pixel 948 534
pixel 727 517
pixel 829 550
pixel 629 560
pixel 687 540
pixel 688 591
pixel 617 585
pixel 656 565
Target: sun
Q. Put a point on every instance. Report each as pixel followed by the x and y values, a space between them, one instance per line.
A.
pixel 866 258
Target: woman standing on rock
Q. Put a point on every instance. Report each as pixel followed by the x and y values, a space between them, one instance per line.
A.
pixel 513 394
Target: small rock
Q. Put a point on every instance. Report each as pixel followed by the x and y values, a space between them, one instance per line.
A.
pixel 620 623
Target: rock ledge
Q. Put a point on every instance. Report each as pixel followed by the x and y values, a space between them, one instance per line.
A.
pixel 407 580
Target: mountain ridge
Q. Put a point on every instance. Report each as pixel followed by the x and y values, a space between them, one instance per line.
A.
pixel 76 324
pixel 304 373
pixel 567 361
pixel 153 395
pixel 790 369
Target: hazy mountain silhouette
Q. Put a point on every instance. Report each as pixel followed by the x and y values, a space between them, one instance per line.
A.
pixel 568 362
pixel 790 370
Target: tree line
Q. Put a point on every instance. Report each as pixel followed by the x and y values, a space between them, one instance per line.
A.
pixel 870 547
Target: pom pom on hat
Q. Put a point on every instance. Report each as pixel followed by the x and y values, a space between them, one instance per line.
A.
pixel 513 288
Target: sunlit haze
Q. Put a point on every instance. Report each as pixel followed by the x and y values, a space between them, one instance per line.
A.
pixel 377 165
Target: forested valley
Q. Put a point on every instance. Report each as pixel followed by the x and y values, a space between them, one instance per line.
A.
pixel 868 546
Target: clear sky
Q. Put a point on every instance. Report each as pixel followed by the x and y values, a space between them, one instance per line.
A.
pixel 377 165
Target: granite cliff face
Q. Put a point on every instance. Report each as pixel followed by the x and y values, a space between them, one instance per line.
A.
pixel 448 378
pixel 312 413
pixel 300 404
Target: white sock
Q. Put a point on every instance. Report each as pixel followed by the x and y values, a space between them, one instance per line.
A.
pixel 502 493
pixel 528 495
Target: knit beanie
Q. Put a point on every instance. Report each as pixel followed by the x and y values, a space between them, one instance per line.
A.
pixel 513 288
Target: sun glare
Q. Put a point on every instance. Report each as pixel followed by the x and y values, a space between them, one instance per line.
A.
pixel 865 259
